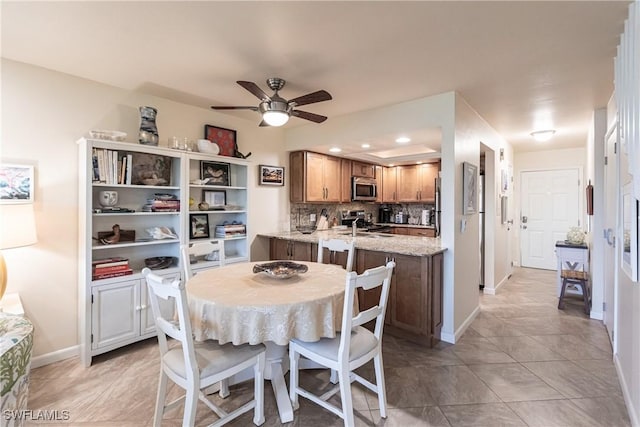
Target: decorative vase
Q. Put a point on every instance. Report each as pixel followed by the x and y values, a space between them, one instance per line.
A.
pixel 148 134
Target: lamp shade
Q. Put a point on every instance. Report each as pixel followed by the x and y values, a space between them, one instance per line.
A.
pixel 17 225
pixel 275 118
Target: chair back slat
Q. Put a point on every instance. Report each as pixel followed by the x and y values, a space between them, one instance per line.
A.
pixel 200 249
pixel 337 246
pixel 372 278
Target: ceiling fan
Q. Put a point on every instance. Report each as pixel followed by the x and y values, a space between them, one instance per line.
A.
pixel 276 110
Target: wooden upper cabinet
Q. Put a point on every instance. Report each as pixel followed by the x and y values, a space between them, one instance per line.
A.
pixel 407 184
pixel 314 177
pixel 366 170
pixel 389 194
pixel 345 168
pixel 427 185
pixel 379 183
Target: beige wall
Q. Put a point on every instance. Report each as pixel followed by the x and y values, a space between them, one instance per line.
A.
pixel 44 113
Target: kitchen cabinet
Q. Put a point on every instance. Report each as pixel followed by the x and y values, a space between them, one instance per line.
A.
pixel 409 184
pixel 314 177
pixel 414 231
pixel 361 169
pixel 414 310
pixel 282 249
pixel 389 185
pixel 345 179
pixel 379 183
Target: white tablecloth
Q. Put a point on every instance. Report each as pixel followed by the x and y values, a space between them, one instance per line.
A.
pixel 233 304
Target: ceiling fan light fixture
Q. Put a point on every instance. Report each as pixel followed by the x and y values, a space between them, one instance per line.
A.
pixel 543 135
pixel 275 118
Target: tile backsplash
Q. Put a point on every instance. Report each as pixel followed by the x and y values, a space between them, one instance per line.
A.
pixel 300 214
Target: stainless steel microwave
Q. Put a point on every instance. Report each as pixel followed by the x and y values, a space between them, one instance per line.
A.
pixel 363 189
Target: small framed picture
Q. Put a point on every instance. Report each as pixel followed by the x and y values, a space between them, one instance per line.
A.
pixel 271 175
pixel 216 199
pixel 224 138
pixel 469 188
pixel 214 173
pixel 16 183
pixel 199 226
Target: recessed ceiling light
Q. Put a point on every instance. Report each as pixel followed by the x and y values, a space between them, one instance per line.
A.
pixel 335 150
pixel 403 140
pixel 543 135
pixel 365 145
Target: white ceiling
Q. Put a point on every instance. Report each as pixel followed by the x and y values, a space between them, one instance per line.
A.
pixel 522 65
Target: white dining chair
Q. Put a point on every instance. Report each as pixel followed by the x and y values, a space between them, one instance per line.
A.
pixel 348 351
pixel 202 250
pixel 337 246
pixel 197 366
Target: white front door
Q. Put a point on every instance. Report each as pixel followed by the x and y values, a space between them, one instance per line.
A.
pixel 550 204
pixel 609 187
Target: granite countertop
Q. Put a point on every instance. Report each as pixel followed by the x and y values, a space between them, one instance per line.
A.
pixel 405 245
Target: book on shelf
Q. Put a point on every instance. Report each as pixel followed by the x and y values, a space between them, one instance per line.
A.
pixel 109 262
pixel 111 269
pixel 126 272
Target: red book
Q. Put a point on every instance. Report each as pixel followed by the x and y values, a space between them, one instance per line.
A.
pixel 112 274
pixel 103 270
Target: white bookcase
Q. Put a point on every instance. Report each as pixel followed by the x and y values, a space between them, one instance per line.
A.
pixel 114 312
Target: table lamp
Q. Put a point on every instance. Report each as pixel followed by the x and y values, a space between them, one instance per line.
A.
pixel 17 229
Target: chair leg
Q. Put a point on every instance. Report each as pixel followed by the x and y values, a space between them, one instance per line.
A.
pixel 382 391
pixel 294 358
pixel 586 298
pixel 224 388
pixel 334 377
pixel 345 394
pixel 258 390
pixel 190 404
pixel 160 399
pixel 561 298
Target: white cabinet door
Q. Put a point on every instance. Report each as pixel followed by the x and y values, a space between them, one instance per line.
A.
pixel 167 307
pixel 115 313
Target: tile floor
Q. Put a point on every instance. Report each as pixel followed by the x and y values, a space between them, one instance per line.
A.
pixel 522 362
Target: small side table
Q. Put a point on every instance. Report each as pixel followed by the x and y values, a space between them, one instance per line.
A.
pixel 568 255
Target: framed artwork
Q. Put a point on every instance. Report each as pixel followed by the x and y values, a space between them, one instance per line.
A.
pixel 630 213
pixel 224 138
pixel 216 199
pixel 271 175
pixel 469 188
pixel 199 226
pixel 150 169
pixel 16 183
pixel 214 173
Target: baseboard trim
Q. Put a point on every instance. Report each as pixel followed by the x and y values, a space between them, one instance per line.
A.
pixel 493 291
pixel 453 338
pixel 55 356
pixel 626 393
pixel 597 315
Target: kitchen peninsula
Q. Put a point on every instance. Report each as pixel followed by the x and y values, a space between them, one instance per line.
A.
pixel 414 310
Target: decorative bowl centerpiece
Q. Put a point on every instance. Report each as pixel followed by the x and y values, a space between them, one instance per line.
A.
pixel 160 262
pixel 306 229
pixel 280 269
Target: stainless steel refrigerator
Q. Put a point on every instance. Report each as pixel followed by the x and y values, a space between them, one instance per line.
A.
pixel 436 211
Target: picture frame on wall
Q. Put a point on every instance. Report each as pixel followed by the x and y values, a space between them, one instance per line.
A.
pixel 226 139
pixel 469 188
pixel 214 173
pixel 16 183
pixel 271 175
pixel 198 226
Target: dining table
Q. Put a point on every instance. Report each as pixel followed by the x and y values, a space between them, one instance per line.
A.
pixel 232 304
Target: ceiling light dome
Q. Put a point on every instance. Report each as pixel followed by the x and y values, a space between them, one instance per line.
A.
pixel 543 135
pixel 275 113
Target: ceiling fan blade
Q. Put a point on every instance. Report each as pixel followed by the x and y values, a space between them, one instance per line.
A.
pixel 309 116
pixel 220 107
pixel 254 89
pixel 311 98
